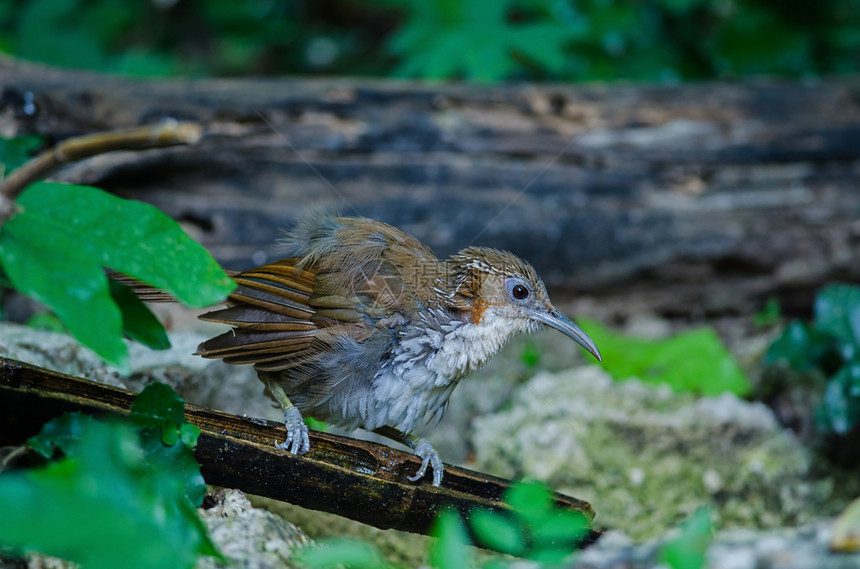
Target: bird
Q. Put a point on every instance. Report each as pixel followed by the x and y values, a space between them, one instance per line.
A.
pixel 362 326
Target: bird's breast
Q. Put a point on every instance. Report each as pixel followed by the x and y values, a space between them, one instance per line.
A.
pixel 447 347
pixel 427 361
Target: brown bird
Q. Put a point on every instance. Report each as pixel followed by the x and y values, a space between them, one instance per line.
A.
pixel 365 327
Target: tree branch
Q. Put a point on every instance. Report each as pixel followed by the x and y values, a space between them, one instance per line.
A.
pixel 168 133
pixel 355 479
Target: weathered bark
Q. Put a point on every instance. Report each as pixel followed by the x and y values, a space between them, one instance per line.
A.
pixel 688 200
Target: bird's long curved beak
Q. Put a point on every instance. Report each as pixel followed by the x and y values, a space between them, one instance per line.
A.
pixel 563 324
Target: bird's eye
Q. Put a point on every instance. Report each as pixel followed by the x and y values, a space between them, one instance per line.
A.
pixel 520 292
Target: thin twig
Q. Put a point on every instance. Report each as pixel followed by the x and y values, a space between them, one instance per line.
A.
pixel 10 455
pixel 168 133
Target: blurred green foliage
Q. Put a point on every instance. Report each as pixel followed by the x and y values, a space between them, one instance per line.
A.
pixel 534 529
pixel 115 496
pixel 829 346
pixel 687 551
pixel 693 361
pixel 769 315
pixel 481 40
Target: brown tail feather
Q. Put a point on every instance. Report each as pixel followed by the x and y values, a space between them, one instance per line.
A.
pixel 246 341
pixel 253 318
pixel 145 292
pixel 270 315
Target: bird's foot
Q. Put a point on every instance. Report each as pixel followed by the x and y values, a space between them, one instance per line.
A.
pixel 429 457
pixel 297 433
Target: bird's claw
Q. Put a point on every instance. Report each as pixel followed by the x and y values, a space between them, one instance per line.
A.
pixel 297 433
pixel 429 457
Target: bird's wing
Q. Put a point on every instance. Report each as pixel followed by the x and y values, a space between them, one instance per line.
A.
pixel 270 314
pixel 366 257
pixel 354 277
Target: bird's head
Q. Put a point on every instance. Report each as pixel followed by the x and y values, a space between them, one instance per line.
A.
pixel 502 287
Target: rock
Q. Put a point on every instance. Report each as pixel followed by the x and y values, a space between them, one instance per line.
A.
pixel 234 389
pixel 787 548
pixel 647 457
pixel 400 549
pixel 249 537
pixel 56 351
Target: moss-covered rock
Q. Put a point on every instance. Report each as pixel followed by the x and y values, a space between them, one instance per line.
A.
pixel 647 457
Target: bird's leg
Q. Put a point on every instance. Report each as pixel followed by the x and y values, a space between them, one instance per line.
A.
pixel 422 449
pixel 297 432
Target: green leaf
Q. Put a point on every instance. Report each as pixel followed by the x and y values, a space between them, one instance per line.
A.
pixel 687 551
pixel 45 320
pixel 158 406
pixel 560 530
pixel 804 348
pixel 555 533
pixel 341 552
pixel 103 507
pixel 189 434
pixel 449 551
pixel 543 43
pixel 54 251
pixel 16 151
pixel 131 237
pixel 62 433
pixel 694 361
pixel 681 6
pixel 837 312
pixel 472 39
pixel 49 266
pixel 769 315
pixel 497 532
pixel 840 408
pixel 168 439
pixel 177 462
pixel 138 321
pixel 530 500
pixel 756 40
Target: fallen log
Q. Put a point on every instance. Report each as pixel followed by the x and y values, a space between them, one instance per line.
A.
pixel 689 201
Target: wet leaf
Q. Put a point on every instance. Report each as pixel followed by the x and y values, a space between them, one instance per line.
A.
pixel 168 439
